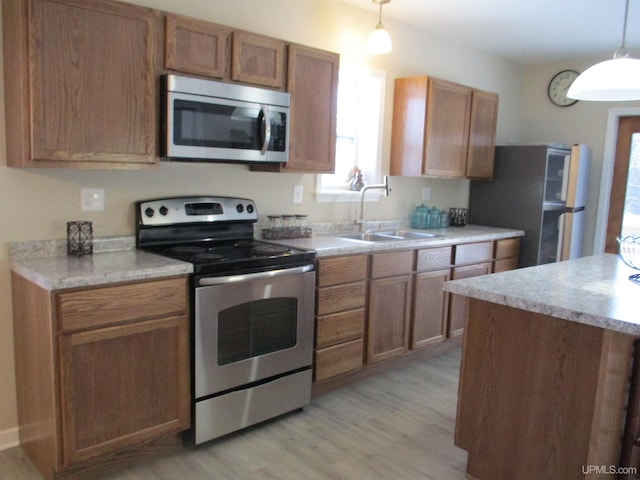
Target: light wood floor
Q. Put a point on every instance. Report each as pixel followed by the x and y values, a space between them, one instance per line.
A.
pixel 398 425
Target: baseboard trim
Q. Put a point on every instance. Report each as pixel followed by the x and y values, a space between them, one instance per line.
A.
pixel 9 438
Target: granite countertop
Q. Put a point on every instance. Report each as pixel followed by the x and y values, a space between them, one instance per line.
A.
pixel 593 290
pixel 115 259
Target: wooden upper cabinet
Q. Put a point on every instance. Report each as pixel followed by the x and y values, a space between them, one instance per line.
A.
pixel 312 81
pixel 257 59
pixel 482 134
pixel 313 84
pixel 447 129
pixel 80 83
pixel 442 129
pixel 197 47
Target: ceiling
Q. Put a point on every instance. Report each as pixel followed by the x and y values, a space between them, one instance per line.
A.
pixel 525 31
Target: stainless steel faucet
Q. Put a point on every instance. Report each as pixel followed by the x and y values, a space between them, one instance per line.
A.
pixel 384 186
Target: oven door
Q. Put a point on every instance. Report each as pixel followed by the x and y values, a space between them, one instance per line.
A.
pixel 252 327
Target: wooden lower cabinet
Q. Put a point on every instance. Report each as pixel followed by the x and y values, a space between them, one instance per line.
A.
pixel 389 316
pixel 389 312
pixel 340 316
pixel 101 372
pixel 430 301
pixel 375 308
pixel 506 254
pixel 469 260
pixel 540 397
pixel 430 308
pixel 141 389
pixel 458 304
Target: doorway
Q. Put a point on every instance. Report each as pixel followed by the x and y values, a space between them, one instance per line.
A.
pixel 624 197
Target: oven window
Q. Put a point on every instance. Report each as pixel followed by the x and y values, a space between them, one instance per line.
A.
pixel 256 328
pixel 214 125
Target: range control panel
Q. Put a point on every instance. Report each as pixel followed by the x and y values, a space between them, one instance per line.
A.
pixel 176 210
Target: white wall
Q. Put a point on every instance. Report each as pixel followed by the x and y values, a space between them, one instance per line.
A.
pixel 36 203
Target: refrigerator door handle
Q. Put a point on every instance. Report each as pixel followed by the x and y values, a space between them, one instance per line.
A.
pixel 560 249
pixel 565 178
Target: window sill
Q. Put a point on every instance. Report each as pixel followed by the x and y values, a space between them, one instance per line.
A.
pixel 346 196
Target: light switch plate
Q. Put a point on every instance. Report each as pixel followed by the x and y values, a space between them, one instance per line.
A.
pixel 297 193
pixel 92 199
pixel 426 193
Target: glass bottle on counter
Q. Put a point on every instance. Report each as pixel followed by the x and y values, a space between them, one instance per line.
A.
pixel 444 219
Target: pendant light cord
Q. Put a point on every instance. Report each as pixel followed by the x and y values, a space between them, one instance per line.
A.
pixel 621 51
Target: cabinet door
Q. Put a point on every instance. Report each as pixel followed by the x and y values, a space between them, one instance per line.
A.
pixel 482 134
pixel 257 60
pixel 506 256
pixel 195 46
pixel 430 308
pixel 93 95
pixel 123 385
pixel 312 80
pixel 458 303
pixel 447 129
pixel 408 126
pixel 389 315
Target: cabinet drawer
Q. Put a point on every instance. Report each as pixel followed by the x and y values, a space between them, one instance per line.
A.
pixel 391 263
pixel 504 264
pixel 433 258
pixel 96 307
pixel 338 359
pixel 473 252
pixel 333 271
pixel 340 298
pixel 509 247
pixel 340 327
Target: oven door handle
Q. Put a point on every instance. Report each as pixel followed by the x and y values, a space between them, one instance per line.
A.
pixel 205 282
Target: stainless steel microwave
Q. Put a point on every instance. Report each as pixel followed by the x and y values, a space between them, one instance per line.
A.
pixel 205 120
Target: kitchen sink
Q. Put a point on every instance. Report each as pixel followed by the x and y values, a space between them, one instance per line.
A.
pixel 387 236
pixel 407 234
pixel 370 237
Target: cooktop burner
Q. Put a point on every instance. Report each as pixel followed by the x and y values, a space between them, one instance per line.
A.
pixel 266 249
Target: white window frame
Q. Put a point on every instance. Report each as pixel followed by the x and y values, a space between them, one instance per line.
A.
pixel 374 173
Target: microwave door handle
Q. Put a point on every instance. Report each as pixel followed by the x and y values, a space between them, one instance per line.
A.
pixel 264 113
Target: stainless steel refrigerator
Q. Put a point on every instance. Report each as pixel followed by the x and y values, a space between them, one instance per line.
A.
pixel 542 190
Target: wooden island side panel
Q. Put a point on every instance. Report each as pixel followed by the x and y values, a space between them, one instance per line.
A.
pixel 539 397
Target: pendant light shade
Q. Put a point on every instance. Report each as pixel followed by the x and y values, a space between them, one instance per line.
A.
pixel 613 80
pixel 379 40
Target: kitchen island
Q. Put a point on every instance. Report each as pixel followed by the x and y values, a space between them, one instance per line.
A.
pixel 545 367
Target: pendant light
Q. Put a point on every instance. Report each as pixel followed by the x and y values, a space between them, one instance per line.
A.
pixel 617 79
pixel 379 41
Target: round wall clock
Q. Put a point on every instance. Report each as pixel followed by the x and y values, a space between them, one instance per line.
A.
pixel 559 86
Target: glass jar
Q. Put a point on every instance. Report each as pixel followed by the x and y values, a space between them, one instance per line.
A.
pixel 301 221
pixel 275 221
pixel 444 219
pixel 434 221
pixel 288 221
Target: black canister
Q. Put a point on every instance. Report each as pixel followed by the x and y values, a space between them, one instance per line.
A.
pixel 79 238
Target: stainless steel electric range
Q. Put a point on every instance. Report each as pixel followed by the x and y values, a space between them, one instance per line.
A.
pixel 252 310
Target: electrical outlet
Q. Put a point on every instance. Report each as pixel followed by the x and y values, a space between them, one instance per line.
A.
pixel 297 193
pixel 426 193
pixel 92 199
